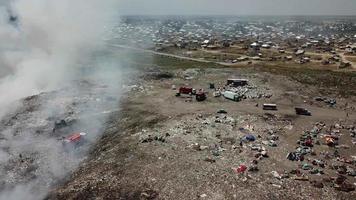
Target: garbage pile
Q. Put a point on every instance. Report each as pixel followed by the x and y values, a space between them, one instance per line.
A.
pixel 306 143
pixel 46 130
pixel 242 92
pixel 329 101
pixel 251 92
pixel 330 164
pixel 245 148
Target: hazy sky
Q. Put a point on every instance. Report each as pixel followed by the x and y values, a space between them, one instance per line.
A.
pixel 239 7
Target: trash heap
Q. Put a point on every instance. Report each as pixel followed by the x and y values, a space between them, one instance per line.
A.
pixel 244 147
pixel 333 168
pixel 47 126
pixel 251 92
pixel 306 143
pixel 329 101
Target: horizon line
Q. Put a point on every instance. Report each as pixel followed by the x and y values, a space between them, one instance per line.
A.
pixel 245 15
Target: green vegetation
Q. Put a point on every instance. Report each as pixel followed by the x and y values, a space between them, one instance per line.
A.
pixel 329 82
pixel 144 59
pixel 170 62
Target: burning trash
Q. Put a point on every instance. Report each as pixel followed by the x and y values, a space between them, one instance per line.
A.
pixel 75 140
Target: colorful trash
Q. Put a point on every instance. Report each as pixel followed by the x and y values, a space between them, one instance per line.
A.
pixel 241 169
pixel 250 138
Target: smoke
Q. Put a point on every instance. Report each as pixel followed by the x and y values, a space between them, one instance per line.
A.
pixel 50 37
pixel 49 48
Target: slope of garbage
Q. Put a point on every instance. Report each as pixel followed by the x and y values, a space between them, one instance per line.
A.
pixel 49 134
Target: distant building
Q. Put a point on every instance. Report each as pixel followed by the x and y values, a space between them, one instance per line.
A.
pixel 299 52
pixel 266 46
pixel 255 45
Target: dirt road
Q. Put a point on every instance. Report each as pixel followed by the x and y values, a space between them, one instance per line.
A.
pixel 159 53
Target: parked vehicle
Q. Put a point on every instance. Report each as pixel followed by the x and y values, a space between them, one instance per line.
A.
pixel 200 95
pixel 237 82
pixel 302 111
pixel 270 107
pixel 185 90
pixel 232 96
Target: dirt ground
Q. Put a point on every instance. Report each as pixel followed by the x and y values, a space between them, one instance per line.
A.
pixel 165 147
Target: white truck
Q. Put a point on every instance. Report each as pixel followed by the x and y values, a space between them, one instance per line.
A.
pixel 269 106
pixel 232 96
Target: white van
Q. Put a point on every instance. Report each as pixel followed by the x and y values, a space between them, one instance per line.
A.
pixel 232 96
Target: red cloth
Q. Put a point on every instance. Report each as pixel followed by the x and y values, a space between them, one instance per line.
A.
pixel 241 169
pixel 75 137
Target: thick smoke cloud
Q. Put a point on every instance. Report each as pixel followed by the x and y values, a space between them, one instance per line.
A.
pixel 48 45
pixel 48 40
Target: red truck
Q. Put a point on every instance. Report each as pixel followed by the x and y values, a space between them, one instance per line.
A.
pixel 186 90
pixel 200 95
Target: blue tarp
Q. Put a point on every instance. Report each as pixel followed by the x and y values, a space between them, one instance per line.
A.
pixel 250 137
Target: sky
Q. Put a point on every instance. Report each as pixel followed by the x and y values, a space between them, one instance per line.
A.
pixel 238 7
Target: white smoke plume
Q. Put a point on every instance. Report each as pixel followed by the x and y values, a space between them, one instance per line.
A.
pixel 43 47
pixel 49 38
